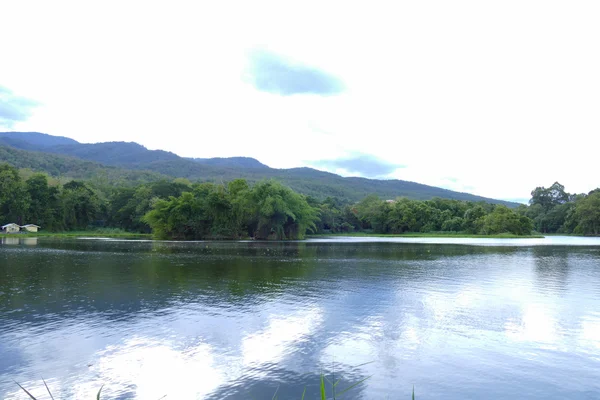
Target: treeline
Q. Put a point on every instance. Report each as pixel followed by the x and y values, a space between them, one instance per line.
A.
pixel 179 209
pixel 437 215
pixel 553 210
pixel 72 206
pixel 175 209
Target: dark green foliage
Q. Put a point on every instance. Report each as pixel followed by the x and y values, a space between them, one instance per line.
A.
pixel 44 203
pixel 80 206
pixel 587 214
pixel 128 205
pixel 505 220
pixel 268 210
pixel 404 215
pixel 14 199
pixel 278 212
pixel 550 197
pixel 555 211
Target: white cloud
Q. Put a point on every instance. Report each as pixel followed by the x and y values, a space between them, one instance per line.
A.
pixel 500 97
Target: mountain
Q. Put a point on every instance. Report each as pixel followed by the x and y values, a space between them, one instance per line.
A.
pixel 231 162
pixel 125 160
pixel 34 140
pixel 69 168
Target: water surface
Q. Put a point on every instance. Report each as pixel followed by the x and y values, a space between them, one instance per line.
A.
pixel 458 318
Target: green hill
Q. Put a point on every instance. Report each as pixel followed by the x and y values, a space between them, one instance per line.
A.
pixel 73 168
pixel 118 161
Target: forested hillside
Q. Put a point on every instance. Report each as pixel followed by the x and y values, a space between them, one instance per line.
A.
pixel 68 168
pixel 132 156
pixel 178 209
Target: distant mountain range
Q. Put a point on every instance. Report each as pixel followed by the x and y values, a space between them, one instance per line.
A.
pixel 131 162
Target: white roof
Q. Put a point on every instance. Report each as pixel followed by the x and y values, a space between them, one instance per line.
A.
pixel 23 226
pixel 7 225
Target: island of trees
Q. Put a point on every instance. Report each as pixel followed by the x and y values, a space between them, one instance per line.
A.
pixel 179 209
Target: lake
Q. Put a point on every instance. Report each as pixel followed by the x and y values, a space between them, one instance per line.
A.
pixel 456 318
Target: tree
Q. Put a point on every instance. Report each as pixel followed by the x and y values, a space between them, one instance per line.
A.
pixel 549 197
pixel 80 205
pixel 43 206
pixel 473 219
pixel 14 199
pixel 280 213
pixel 505 220
pixel 454 224
pixel 587 214
pixel 269 210
pixel 373 213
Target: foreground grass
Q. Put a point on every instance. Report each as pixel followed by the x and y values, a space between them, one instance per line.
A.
pixel 322 390
pixel 429 235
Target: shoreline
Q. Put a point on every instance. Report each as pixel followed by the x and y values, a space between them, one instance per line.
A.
pixel 77 234
pixel 133 235
pixel 427 235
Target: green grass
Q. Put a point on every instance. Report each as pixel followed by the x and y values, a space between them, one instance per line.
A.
pixel 570 234
pixel 430 235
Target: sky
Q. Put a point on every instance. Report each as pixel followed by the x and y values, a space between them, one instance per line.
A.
pixel 491 98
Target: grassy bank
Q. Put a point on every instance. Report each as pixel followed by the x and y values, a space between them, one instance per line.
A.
pixel 429 235
pixel 117 233
pixel 570 234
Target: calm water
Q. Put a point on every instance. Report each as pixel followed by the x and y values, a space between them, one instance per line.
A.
pixel 458 318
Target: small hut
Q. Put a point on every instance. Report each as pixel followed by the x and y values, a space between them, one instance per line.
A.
pixel 11 228
pixel 30 228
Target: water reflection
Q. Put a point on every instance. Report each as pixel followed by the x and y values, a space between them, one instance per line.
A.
pixel 15 241
pixel 552 270
pixel 239 320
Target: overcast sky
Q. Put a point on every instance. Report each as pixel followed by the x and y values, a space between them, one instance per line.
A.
pixel 488 97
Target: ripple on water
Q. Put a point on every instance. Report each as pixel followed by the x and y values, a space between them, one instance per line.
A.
pixel 149 318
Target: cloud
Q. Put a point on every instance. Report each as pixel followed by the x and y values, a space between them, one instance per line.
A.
pixel 272 73
pixel 362 164
pixel 14 108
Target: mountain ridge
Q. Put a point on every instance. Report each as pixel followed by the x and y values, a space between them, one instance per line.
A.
pixel 127 157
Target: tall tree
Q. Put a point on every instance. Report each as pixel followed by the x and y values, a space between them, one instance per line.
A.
pixel 43 207
pixel 14 200
pixel 549 197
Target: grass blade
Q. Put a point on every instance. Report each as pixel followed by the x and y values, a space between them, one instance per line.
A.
pixel 25 390
pixel 366 363
pixel 275 394
pixel 323 395
pixel 99 391
pixel 413 398
pixel 303 393
pixel 356 384
pixel 48 389
pixel 333 380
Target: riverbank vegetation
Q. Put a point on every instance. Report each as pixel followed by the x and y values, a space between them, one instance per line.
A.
pixel 427 235
pixel 179 209
pixel 553 210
